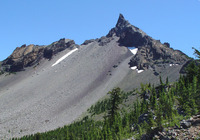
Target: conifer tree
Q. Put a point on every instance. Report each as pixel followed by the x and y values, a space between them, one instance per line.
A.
pixel 115 100
pixel 191 71
pixel 196 52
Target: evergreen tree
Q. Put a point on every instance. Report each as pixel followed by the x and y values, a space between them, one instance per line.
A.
pixel 191 71
pixel 115 100
pixel 196 52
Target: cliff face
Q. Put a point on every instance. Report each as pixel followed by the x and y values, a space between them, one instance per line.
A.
pixel 30 55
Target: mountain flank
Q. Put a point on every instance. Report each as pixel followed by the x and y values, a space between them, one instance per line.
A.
pixel 42 96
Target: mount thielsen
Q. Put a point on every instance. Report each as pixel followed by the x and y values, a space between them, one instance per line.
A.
pixel 54 84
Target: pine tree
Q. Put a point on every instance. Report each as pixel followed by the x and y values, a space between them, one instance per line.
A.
pixel 196 52
pixel 191 71
pixel 115 100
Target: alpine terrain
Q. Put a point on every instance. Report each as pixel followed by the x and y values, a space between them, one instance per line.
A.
pixel 43 87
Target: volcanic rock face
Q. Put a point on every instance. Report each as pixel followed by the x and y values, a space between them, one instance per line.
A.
pixel 150 51
pixel 30 55
pixel 57 47
pixel 22 57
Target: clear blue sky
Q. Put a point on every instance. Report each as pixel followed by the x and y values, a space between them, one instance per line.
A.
pixel 42 22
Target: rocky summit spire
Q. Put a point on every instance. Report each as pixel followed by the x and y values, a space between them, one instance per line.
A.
pixel 150 51
pixel 129 34
pixel 122 22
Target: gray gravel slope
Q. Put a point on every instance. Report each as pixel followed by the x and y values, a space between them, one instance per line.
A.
pixel 45 98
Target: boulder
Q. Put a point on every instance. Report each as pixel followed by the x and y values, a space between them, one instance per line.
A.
pixel 185 124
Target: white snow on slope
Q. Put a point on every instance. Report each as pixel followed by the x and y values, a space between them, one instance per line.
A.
pixel 133 50
pixel 63 57
pixel 139 71
pixel 135 68
pixel 173 65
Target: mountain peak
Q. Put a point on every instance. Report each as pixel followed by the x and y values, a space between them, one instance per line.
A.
pixel 150 51
pixel 129 34
pixel 122 22
pixel 121 16
pixel 124 29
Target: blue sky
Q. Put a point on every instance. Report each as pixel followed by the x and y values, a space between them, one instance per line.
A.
pixel 42 22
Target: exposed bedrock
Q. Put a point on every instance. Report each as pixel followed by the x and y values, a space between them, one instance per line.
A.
pixel 30 55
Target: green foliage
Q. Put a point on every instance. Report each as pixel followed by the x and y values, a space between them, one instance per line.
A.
pixel 104 105
pixel 115 100
pixel 196 52
pixel 99 107
pixel 159 109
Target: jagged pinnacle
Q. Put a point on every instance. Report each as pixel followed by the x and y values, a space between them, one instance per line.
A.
pixel 122 22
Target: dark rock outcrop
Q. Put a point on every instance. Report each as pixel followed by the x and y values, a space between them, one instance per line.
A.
pixel 88 41
pixel 30 55
pixel 150 51
pixel 185 124
pixel 130 36
pixel 57 47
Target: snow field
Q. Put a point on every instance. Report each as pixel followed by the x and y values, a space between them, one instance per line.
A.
pixel 65 56
pixel 134 51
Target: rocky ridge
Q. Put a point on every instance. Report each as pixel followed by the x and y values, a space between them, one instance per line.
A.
pixel 151 53
pixel 30 55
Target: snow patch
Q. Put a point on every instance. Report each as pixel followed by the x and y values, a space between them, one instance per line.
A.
pixel 63 57
pixel 139 71
pixel 173 65
pixel 134 67
pixel 133 50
